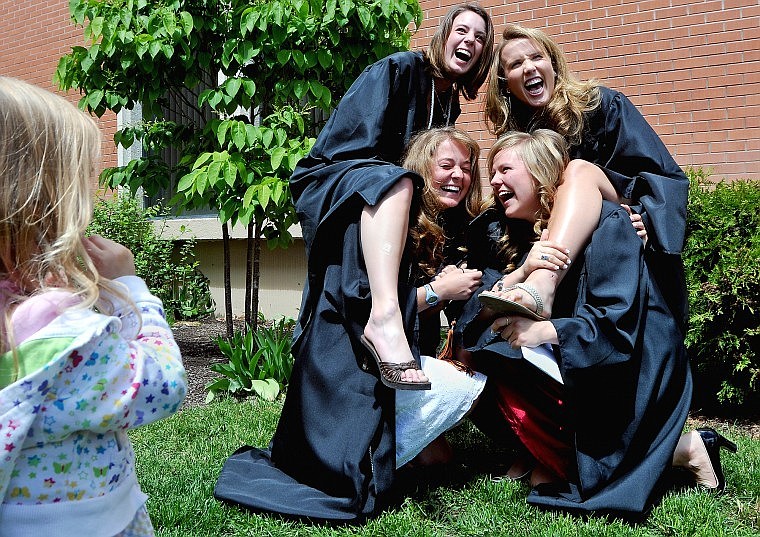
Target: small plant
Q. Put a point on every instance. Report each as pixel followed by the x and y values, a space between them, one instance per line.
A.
pixel 174 278
pixel 258 362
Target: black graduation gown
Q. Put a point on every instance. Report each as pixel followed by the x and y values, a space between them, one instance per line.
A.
pixel 333 454
pixel 618 139
pixel 627 383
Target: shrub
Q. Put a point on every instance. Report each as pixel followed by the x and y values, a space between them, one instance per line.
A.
pixel 172 277
pixel 258 362
pixel 722 260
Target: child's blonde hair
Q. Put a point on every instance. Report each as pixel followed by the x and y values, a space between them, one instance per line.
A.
pixel 48 150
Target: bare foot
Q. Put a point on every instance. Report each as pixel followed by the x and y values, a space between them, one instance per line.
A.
pixel 386 333
pixel 541 474
pixel 691 454
pixel 521 468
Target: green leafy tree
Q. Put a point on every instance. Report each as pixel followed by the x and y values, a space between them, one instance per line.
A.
pixel 230 86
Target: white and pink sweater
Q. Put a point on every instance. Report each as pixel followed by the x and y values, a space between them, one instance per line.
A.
pixel 66 463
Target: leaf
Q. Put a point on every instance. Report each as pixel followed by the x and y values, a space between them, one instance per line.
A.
pixel 232 86
pixel 345 7
pixel 264 196
pixel 94 98
pixel 267 135
pixel 299 58
pixel 230 173
pixel 154 48
pixel 202 160
pixel 266 389
pixel 249 87
pixel 300 87
pixel 186 20
pixel 96 28
pixel 283 56
pixel 325 58
pixel 277 155
pixel 249 194
pixel 245 52
pixel 239 135
pixel 221 132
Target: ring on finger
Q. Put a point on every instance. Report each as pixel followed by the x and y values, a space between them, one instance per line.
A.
pixel 544 257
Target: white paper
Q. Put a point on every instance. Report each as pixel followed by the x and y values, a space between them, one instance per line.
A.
pixel 543 358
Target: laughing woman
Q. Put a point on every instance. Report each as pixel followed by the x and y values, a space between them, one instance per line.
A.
pixel 615 154
pixel 332 456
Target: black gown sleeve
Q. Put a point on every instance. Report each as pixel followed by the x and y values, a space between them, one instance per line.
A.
pixel 631 154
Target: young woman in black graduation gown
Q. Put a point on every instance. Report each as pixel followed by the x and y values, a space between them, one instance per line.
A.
pixel 614 154
pixel 605 435
pixel 332 456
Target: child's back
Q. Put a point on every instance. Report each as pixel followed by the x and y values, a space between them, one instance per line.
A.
pixel 83 359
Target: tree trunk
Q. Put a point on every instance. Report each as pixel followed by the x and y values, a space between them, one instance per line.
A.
pixel 248 277
pixel 256 274
pixel 227 280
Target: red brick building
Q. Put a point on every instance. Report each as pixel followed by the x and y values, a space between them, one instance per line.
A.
pixel 34 34
pixel 693 68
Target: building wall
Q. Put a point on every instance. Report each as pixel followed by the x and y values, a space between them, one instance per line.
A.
pixel 34 34
pixel 692 68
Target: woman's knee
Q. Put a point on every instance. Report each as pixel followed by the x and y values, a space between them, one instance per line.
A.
pixel 582 174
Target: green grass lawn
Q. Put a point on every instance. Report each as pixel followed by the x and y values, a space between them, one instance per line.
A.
pixel 179 459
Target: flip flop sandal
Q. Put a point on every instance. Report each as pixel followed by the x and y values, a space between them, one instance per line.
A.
pixel 390 373
pixel 501 305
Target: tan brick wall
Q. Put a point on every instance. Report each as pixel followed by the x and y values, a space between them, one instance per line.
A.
pixel 34 34
pixel 692 68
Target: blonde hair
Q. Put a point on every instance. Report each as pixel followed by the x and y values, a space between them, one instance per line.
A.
pixel 469 84
pixel 48 149
pixel 427 236
pixel 545 155
pixel 571 99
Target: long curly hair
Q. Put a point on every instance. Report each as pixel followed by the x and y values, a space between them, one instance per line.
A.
pixel 426 232
pixel 48 152
pixel 469 84
pixel 545 155
pixel 565 112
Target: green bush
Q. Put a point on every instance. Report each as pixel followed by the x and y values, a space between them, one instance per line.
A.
pixel 722 260
pixel 172 276
pixel 258 362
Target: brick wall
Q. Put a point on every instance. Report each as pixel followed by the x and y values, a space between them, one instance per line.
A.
pixel 34 34
pixel 692 68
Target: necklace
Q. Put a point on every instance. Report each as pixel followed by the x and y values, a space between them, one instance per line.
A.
pixel 434 99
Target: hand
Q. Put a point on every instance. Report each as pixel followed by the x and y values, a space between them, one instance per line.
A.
pixel 110 258
pixel 546 254
pixel 524 332
pixel 457 283
pixel 637 222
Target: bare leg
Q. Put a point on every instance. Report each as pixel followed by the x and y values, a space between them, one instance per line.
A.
pixel 574 217
pixel 541 474
pixel 383 234
pixel 436 452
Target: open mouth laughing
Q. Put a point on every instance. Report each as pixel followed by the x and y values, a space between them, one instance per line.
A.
pixel 463 54
pixel 534 85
